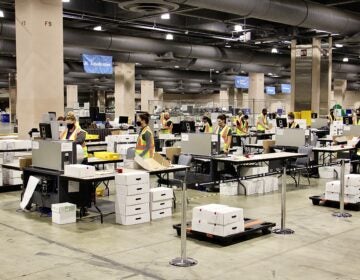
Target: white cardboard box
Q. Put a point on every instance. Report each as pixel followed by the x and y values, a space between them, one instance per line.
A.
pixel 352 180
pixel 224 216
pixel 161 193
pixel 162 213
pixel 63 213
pixel 250 186
pixel 199 213
pixel 348 198
pixel 248 171
pixel 132 189
pixel 163 204
pixel 352 190
pixel 129 210
pixel 133 199
pixel 229 229
pixel 132 178
pixel 79 170
pixel 15 181
pixel 230 188
pixel 332 196
pixel 333 186
pixel 133 220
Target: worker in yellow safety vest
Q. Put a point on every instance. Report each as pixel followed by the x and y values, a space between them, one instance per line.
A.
pixel 73 132
pixel 331 117
pixel 166 123
pixel 225 133
pixel 356 117
pixel 291 121
pixel 262 122
pixel 242 125
pixel 207 125
pixel 145 146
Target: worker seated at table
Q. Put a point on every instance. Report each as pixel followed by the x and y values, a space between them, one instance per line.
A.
pixel 262 122
pixel 356 156
pixel 225 133
pixel 242 125
pixel 291 121
pixel 73 132
pixel 166 123
pixel 331 117
pixel 207 125
pixel 145 146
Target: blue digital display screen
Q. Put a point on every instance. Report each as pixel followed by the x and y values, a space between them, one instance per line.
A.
pixel 241 82
pixel 286 88
pixel 270 90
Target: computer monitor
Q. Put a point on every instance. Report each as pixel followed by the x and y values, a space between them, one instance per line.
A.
pixel 348 112
pixel 347 120
pixel 123 119
pixel 176 128
pixel 45 131
pixel 314 115
pixel 101 117
pixel 187 126
pixel 52 116
pixel 281 122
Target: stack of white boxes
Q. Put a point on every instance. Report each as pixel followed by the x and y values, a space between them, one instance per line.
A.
pixel 161 202
pixel 351 189
pixel 124 141
pixel 132 198
pixel 63 213
pixel 332 172
pixel 217 219
pixel 11 177
pixel 79 170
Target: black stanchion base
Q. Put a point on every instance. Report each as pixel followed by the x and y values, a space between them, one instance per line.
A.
pixel 183 262
pixel 342 215
pixel 284 231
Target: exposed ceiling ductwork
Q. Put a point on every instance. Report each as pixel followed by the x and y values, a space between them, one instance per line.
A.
pixel 296 13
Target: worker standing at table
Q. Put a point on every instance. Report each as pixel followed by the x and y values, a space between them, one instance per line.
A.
pixel 207 125
pixel 145 146
pixel 166 123
pixel 356 117
pixel 262 122
pixel 331 117
pixel 73 132
pixel 242 125
pixel 291 121
pixel 225 133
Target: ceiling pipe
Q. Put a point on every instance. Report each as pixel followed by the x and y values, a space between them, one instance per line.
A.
pixel 296 13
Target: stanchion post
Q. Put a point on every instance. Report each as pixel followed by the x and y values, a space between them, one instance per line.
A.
pixel 183 261
pixel 283 229
pixel 342 213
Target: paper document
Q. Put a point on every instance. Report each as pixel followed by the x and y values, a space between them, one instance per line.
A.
pixel 30 188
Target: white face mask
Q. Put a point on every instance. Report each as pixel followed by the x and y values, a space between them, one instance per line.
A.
pixel 290 120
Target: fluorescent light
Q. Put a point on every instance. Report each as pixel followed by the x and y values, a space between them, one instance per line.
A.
pixel 238 28
pixel 257 43
pixel 217 71
pixel 1 14
pixel 165 16
pixel 345 59
pixel 227 45
pixel 66 1
pixel 137 63
pixel 274 50
pixel 169 36
pixel 177 66
pixel 98 28
pixel 339 45
pixel 270 74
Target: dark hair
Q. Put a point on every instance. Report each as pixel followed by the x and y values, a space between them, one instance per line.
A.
pixel 246 117
pixel 291 115
pixel 222 117
pixel 145 117
pixel 207 119
pixel 264 110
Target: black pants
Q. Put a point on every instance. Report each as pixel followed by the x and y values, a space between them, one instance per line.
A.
pixel 355 164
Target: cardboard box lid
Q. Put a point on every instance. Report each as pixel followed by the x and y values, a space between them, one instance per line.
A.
pixel 152 164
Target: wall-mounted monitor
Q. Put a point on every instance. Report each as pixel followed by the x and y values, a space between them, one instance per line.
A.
pixel 241 82
pixel 286 88
pixel 270 90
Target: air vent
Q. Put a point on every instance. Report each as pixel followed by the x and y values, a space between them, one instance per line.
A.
pixel 148 6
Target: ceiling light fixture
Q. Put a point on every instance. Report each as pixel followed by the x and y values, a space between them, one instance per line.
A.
pixel 339 45
pixel 274 50
pixel 345 59
pixel 165 16
pixel 238 28
pixel 2 14
pixel 177 66
pixel 66 1
pixel 98 28
pixel 270 74
pixel 169 36
pixel 217 71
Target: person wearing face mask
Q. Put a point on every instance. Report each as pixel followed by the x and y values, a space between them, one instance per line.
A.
pixel 225 133
pixel 207 127
pixel 73 132
pixel 262 122
pixel 291 121
pixel 331 117
pixel 166 123
pixel 145 146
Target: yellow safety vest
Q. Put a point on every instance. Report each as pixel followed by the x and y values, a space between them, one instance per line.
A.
pixel 243 125
pixel 208 128
pixel 358 123
pixel 332 119
pixel 141 144
pixel 164 124
pixel 73 136
pixel 259 126
pixel 224 135
pixel 293 125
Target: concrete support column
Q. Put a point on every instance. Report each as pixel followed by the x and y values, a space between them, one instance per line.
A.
pixel 71 95
pixel 12 97
pixel 315 75
pixel 39 61
pixel 125 90
pixel 101 100
pixel 339 91
pixel 326 78
pixel 256 92
pixel 147 94
pixel 159 94
pixel 231 96
pixel 224 98
pixel 293 75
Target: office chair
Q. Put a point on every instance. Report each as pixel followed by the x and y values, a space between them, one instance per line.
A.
pixel 130 153
pixel 302 162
